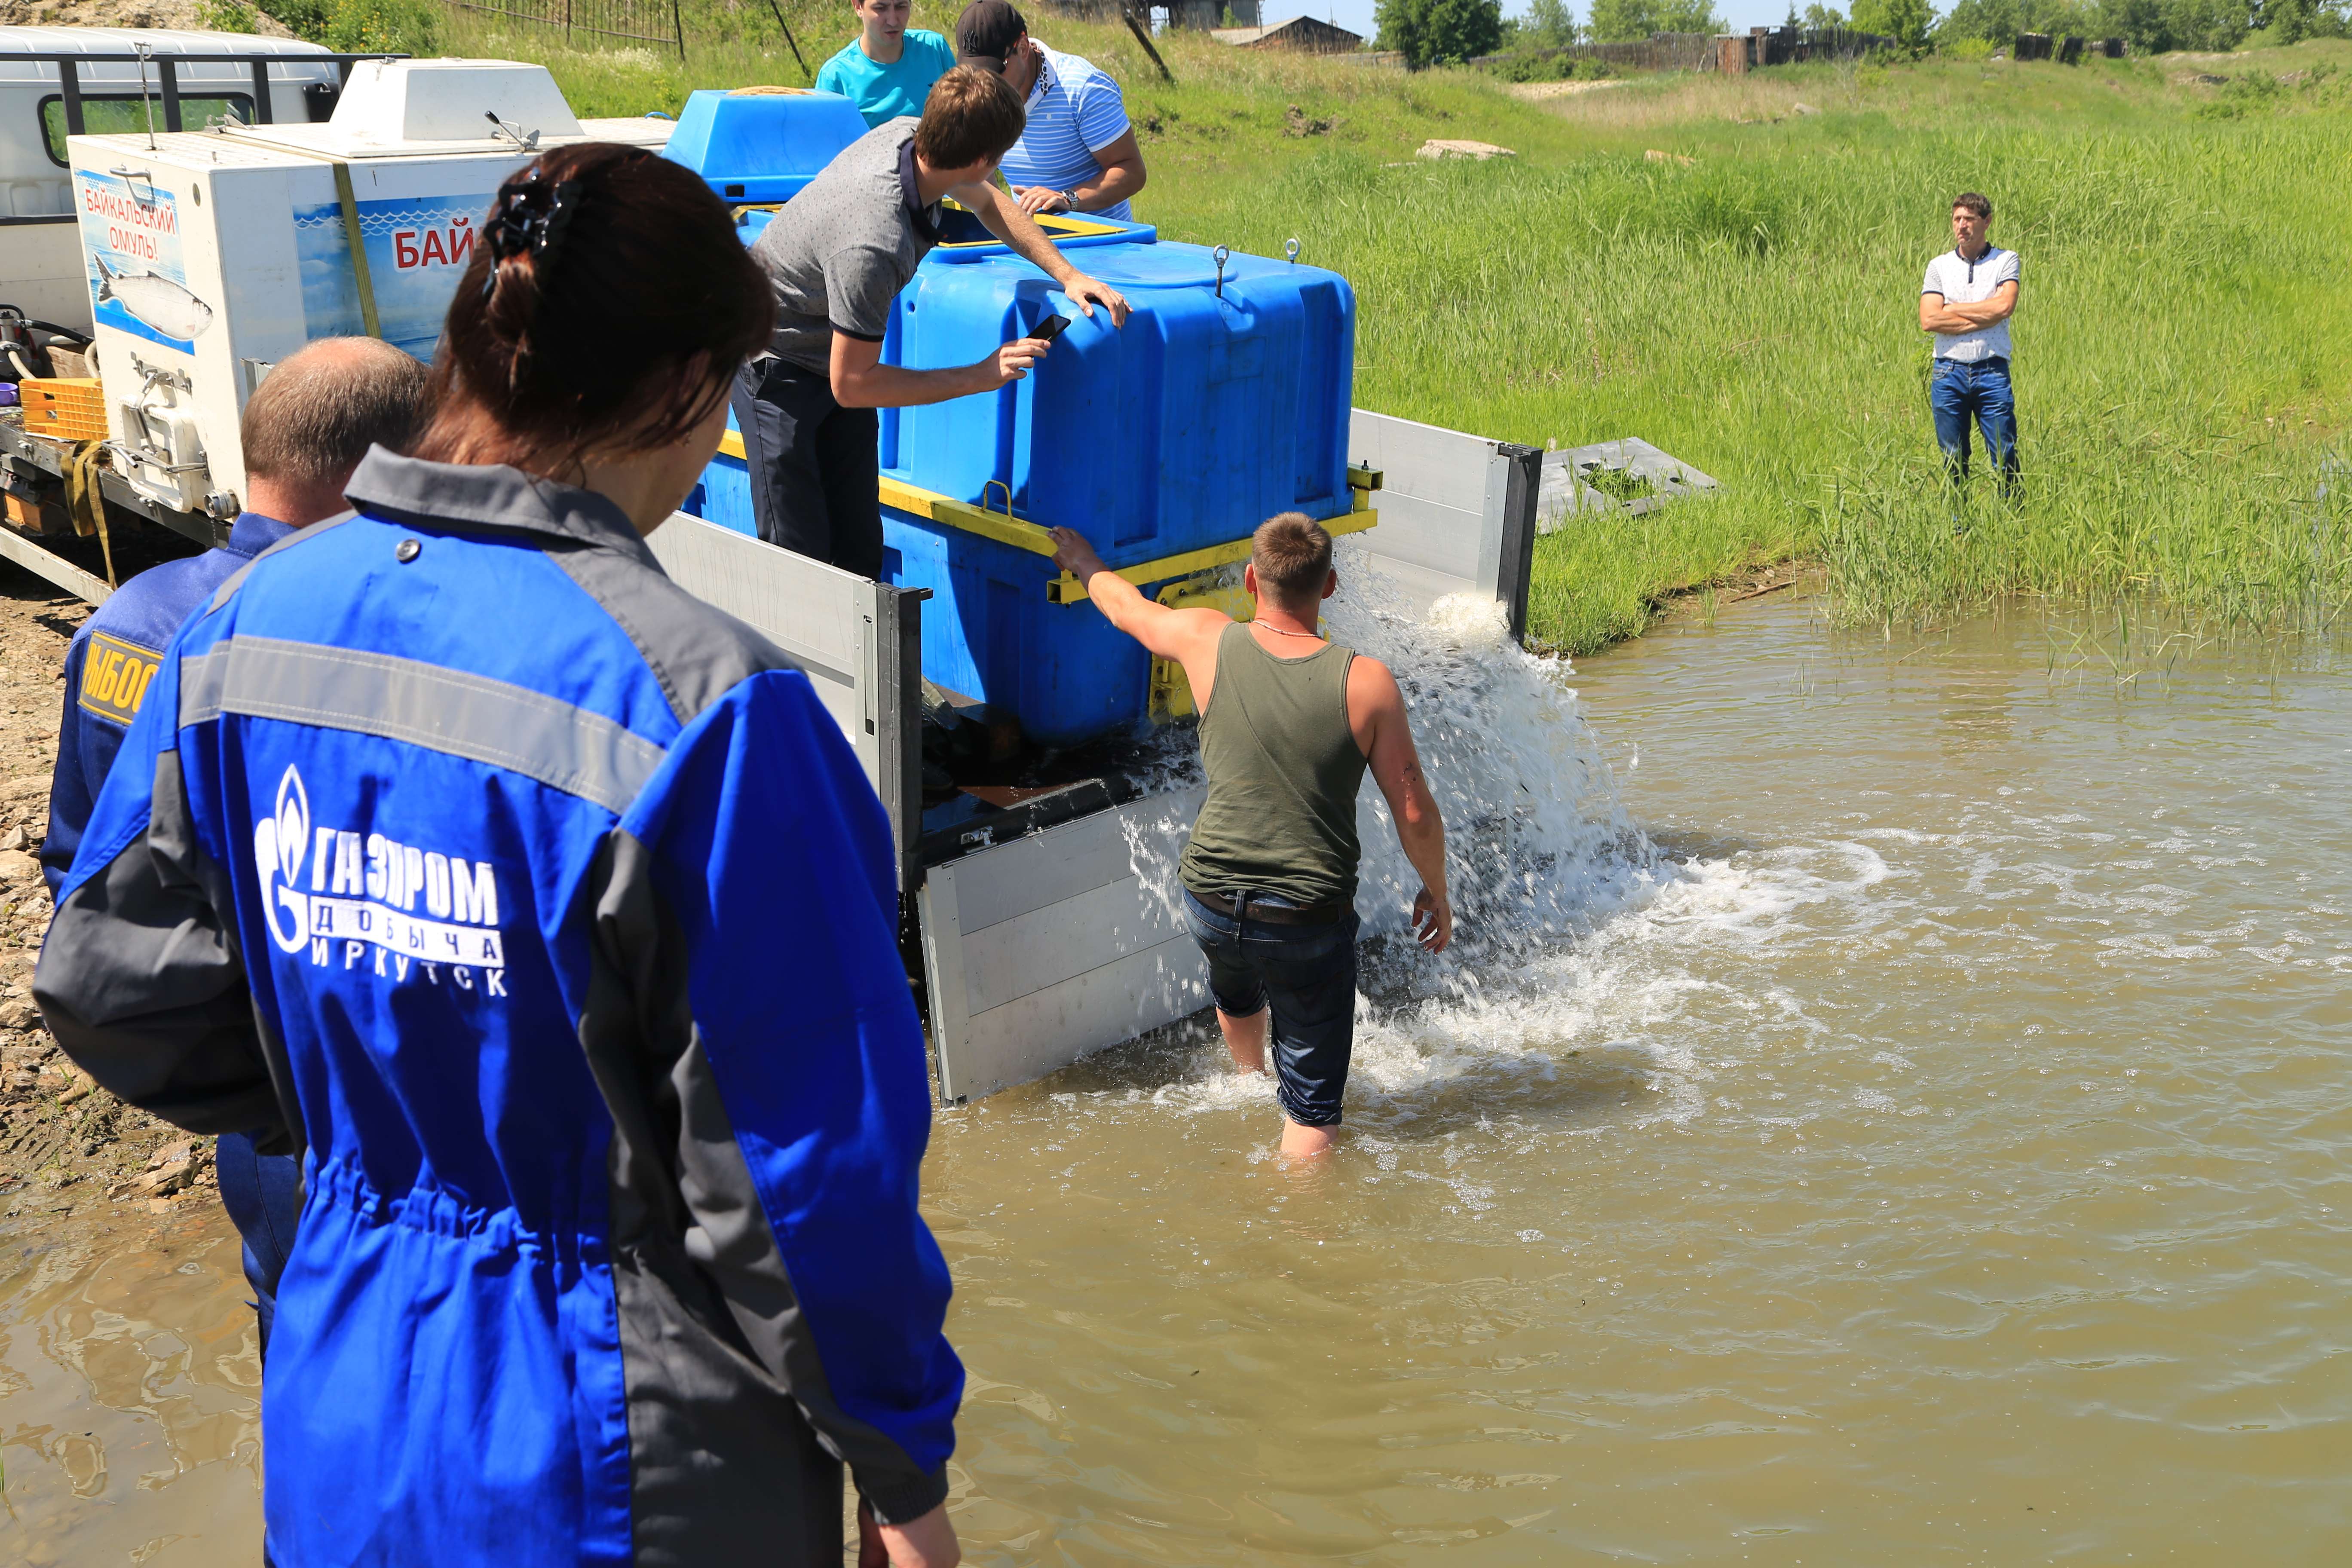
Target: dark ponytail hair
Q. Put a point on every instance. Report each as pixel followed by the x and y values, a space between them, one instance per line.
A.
pixel 608 300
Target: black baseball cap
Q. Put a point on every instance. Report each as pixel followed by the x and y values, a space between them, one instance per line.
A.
pixel 986 33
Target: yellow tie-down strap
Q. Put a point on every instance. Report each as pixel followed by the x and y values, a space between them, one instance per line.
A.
pixel 1064 589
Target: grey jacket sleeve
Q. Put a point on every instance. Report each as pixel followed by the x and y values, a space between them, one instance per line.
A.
pixel 719 1355
pixel 141 983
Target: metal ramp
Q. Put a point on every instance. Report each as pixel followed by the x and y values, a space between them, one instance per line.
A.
pixel 1569 488
pixel 1042 948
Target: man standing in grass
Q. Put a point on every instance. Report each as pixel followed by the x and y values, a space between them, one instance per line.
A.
pixel 887 70
pixel 1968 296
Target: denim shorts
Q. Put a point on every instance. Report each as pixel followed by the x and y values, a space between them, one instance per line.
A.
pixel 1306 975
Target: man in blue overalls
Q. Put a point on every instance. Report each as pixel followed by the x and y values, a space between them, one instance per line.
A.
pixel 303 432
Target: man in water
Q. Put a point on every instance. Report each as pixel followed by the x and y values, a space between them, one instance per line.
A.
pixel 887 70
pixel 1077 153
pixel 1289 721
pixel 836 256
pixel 1970 294
pixel 303 432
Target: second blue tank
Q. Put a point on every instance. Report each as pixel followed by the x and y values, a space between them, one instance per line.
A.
pixel 1210 412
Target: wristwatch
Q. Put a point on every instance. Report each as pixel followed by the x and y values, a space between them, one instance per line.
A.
pixel 1070 201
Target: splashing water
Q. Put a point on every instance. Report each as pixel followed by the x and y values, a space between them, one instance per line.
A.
pixel 1539 854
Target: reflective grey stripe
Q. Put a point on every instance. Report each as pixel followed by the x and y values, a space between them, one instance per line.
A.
pixel 200 686
pixel 471 716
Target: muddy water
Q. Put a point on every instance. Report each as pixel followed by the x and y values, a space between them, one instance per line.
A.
pixel 129 1381
pixel 1896 1105
pixel 1942 1158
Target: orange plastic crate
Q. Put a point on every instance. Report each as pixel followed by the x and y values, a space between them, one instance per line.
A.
pixel 65 408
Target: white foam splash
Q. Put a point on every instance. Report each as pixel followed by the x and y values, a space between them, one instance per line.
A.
pixel 1561 902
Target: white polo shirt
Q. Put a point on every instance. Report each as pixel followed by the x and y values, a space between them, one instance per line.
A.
pixel 1075 112
pixel 1962 282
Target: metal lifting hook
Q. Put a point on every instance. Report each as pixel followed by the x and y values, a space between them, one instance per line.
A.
pixel 1220 254
pixel 1290 251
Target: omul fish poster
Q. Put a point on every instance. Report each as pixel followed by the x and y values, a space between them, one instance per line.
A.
pixel 130 240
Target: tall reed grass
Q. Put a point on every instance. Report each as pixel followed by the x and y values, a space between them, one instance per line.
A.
pixel 2181 351
pixel 2184 343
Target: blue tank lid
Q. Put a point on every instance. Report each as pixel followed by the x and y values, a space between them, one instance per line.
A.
pixel 763 143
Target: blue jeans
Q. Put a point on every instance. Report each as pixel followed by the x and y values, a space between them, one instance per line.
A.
pixel 1980 391
pixel 1306 975
pixel 263 1195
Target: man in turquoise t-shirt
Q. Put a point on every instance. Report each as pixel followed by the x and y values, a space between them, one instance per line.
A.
pixel 887 71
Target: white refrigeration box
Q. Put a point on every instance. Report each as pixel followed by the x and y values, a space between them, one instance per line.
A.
pixel 212 255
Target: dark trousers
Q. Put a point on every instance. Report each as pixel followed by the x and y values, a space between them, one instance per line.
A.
pixel 263 1195
pixel 1306 975
pixel 815 466
pixel 1960 392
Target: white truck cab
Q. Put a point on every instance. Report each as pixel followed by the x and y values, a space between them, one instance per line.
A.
pixel 61 82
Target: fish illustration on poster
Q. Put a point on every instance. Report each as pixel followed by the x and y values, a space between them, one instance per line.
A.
pixel 137 281
pixel 416 251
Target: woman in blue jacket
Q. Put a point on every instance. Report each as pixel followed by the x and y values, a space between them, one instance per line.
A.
pixel 545 910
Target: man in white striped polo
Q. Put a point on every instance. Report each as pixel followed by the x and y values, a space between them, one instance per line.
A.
pixel 1077 153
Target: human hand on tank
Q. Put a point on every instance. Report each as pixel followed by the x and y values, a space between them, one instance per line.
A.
pixel 928 1542
pixel 1432 920
pixel 1073 554
pixel 1036 199
pixel 1014 361
pixel 1089 293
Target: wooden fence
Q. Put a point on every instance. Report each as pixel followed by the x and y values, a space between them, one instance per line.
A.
pixel 1198 16
pixel 1658 52
pixel 584 22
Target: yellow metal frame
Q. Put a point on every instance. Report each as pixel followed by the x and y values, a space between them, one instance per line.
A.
pixel 1006 529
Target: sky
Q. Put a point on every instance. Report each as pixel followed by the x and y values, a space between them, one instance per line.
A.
pixel 1356 16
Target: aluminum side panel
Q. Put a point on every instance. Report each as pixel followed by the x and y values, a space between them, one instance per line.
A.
pixel 1042 950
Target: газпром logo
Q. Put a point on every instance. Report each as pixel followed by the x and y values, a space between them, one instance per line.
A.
pixel 362 894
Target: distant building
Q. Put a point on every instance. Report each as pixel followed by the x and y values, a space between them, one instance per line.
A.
pixel 1300 35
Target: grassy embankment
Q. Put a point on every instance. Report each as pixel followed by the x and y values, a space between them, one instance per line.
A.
pixel 2182 364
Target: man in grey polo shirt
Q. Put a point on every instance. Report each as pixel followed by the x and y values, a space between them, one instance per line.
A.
pixel 837 256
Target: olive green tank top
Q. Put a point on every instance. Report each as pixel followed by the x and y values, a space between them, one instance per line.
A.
pixel 1283 771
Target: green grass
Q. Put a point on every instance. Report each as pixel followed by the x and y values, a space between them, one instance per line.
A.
pixel 2184 345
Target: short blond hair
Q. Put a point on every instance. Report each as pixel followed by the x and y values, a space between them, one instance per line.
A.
pixel 1293 556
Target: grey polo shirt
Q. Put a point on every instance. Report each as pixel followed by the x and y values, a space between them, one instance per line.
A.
pixel 841 250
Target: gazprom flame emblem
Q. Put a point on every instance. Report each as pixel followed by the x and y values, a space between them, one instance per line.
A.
pixel 279 843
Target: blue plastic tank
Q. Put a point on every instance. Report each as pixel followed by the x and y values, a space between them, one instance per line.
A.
pixel 762 144
pixel 1208 412
pixel 1206 415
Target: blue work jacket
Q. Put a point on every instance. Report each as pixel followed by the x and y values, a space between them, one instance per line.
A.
pixel 569 924
pixel 109 665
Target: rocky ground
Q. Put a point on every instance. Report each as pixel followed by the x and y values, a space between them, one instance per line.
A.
pixel 65 1143
pixel 185 14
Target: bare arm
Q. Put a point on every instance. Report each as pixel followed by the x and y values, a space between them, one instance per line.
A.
pixel 1122 176
pixel 860 379
pixel 1938 315
pixel 1376 712
pixel 1004 218
pixel 1187 636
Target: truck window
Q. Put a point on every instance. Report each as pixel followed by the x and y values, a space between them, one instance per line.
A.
pixel 113 113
